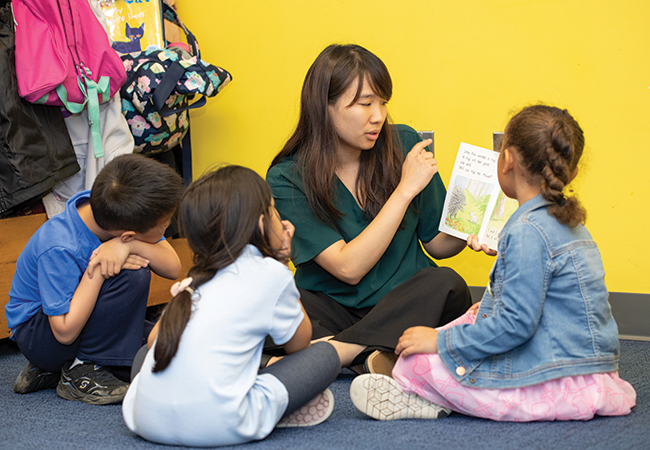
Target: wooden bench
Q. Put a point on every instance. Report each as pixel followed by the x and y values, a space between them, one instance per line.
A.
pixel 16 231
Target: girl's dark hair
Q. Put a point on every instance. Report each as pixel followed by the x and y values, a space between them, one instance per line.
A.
pixel 219 216
pixel 550 143
pixel 314 142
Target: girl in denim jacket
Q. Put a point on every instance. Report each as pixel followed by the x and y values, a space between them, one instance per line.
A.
pixel 542 344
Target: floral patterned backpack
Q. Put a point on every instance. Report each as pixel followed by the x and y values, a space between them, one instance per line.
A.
pixel 161 86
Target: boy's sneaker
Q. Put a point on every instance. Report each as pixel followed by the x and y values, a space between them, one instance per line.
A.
pixel 33 379
pixel 380 397
pixel 313 412
pixel 90 383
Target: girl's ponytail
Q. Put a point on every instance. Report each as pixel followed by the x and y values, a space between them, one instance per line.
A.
pixel 172 324
pixel 177 314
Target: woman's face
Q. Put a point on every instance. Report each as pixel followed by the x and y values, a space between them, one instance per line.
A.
pixel 358 125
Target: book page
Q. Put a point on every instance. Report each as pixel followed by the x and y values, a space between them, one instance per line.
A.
pixel 134 25
pixel 503 209
pixel 472 196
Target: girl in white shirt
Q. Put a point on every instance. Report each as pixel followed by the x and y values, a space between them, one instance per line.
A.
pixel 199 384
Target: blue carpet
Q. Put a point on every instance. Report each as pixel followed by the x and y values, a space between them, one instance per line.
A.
pixel 42 420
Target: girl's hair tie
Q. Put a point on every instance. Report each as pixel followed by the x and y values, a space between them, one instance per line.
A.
pixel 180 286
pixel 561 201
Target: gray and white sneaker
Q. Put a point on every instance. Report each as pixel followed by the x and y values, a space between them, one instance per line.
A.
pixel 381 398
pixel 315 411
pixel 91 383
pixel 33 379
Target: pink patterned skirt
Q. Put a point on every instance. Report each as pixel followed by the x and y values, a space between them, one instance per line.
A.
pixel 568 398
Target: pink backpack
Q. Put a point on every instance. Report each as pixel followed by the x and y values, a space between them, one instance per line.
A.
pixel 63 57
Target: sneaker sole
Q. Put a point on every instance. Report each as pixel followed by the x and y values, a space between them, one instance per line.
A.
pixel 315 411
pixel 67 392
pixel 380 397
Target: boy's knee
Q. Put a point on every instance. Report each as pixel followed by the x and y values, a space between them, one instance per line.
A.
pixel 140 277
pixel 135 280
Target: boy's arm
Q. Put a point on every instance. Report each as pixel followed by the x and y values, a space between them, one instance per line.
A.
pixel 117 254
pixel 162 257
pixel 113 256
pixel 66 327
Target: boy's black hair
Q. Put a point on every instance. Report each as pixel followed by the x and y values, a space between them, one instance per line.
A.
pixel 133 192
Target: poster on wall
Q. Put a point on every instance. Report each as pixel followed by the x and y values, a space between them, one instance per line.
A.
pixel 134 25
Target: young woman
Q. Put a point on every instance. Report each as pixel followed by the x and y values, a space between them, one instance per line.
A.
pixel 364 195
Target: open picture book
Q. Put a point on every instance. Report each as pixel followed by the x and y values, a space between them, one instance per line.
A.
pixel 475 204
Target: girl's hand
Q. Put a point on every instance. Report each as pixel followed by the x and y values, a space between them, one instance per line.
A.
pixel 417 340
pixel 474 308
pixel 418 169
pixel 472 242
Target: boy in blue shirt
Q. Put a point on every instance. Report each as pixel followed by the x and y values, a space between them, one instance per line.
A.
pixel 79 295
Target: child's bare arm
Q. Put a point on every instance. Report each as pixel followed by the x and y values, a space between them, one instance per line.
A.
pixel 66 327
pixel 176 289
pixel 113 256
pixel 118 254
pixel 302 337
pixel 162 257
pixel 153 334
pixel 417 340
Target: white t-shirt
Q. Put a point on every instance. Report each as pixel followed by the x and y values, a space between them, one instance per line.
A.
pixel 211 393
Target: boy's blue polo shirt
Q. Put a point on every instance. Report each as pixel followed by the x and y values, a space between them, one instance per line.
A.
pixel 50 267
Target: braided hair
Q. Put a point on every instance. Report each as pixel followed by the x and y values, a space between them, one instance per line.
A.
pixel 550 143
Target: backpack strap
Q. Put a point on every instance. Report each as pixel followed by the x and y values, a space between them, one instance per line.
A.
pixel 167 85
pixel 173 73
pixel 90 89
pixel 171 15
pixel 93 90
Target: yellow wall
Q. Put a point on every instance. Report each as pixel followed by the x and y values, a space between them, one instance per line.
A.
pixel 459 68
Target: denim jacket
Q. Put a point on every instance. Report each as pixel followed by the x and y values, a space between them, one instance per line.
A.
pixel 545 313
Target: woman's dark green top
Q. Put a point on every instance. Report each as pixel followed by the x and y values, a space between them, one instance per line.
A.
pixel 402 259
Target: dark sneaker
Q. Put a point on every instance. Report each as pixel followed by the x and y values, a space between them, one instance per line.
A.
pixel 90 383
pixel 315 411
pixel 380 397
pixel 33 379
